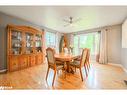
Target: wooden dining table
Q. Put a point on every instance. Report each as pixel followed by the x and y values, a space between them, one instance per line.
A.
pixel 66 58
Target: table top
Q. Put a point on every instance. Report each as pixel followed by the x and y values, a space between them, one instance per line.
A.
pixel 66 57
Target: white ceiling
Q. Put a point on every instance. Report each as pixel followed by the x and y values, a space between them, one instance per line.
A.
pixel 52 17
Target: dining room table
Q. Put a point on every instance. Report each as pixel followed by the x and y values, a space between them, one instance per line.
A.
pixel 66 59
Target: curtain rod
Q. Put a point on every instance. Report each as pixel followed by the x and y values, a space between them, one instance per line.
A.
pixel 85 32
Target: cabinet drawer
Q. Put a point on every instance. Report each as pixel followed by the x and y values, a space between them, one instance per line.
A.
pixel 39 59
pixel 32 60
pixel 14 63
pixel 23 60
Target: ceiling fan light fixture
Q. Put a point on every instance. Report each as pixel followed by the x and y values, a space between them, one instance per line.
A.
pixel 71 25
pixel 71 22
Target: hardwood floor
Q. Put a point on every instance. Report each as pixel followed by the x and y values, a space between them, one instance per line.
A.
pixel 100 77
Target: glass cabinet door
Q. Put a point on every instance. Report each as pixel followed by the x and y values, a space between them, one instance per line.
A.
pixel 16 42
pixel 38 43
pixel 29 43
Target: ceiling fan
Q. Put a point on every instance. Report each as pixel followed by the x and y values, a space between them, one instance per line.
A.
pixel 70 21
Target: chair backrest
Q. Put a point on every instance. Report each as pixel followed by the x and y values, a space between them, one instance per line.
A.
pixel 83 57
pixel 88 55
pixel 50 56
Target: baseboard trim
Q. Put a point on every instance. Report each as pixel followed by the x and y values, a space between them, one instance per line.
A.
pixel 3 71
pixel 125 70
pixel 115 64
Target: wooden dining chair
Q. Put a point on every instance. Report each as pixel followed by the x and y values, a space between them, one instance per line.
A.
pixel 80 64
pixel 52 63
pixel 87 63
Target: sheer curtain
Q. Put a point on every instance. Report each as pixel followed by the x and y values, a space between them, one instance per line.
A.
pixel 44 46
pixel 97 43
pixel 72 43
pixel 103 47
pixel 57 42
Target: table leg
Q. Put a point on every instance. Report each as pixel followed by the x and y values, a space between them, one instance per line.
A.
pixel 68 66
pixel 69 69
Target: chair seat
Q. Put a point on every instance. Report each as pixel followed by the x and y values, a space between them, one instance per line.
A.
pixel 59 62
pixel 78 59
pixel 75 63
pixel 59 67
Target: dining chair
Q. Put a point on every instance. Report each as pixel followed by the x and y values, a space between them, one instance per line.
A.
pixel 87 63
pixel 52 63
pixel 80 64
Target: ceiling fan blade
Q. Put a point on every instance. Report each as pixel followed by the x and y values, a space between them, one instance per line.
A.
pixel 66 21
pixel 66 25
pixel 77 20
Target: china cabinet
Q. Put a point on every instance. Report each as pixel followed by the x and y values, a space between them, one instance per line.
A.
pixel 25 47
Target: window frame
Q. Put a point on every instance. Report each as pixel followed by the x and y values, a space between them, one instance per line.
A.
pixel 49 42
pixel 94 43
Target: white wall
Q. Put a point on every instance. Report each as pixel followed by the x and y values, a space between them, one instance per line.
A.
pixel 114 44
pixel 124 34
pixel 124 45
pixel 124 58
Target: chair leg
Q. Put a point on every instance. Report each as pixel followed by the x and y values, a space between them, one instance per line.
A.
pixel 81 74
pixel 54 77
pixel 75 68
pixel 87 66
pixel 89 63
pixel 47 73
pixel 65 74
pixel 85 69
pixel 57 71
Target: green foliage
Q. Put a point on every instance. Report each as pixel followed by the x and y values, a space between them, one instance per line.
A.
pixel 85 41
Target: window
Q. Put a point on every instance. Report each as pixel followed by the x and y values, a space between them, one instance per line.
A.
pixel 89 40
pixel 76 45
pixel 50 39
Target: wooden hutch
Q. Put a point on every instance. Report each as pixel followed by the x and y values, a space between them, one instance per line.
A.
pixel 25 47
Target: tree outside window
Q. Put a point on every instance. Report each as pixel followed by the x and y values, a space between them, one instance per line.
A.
pixel 90 40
